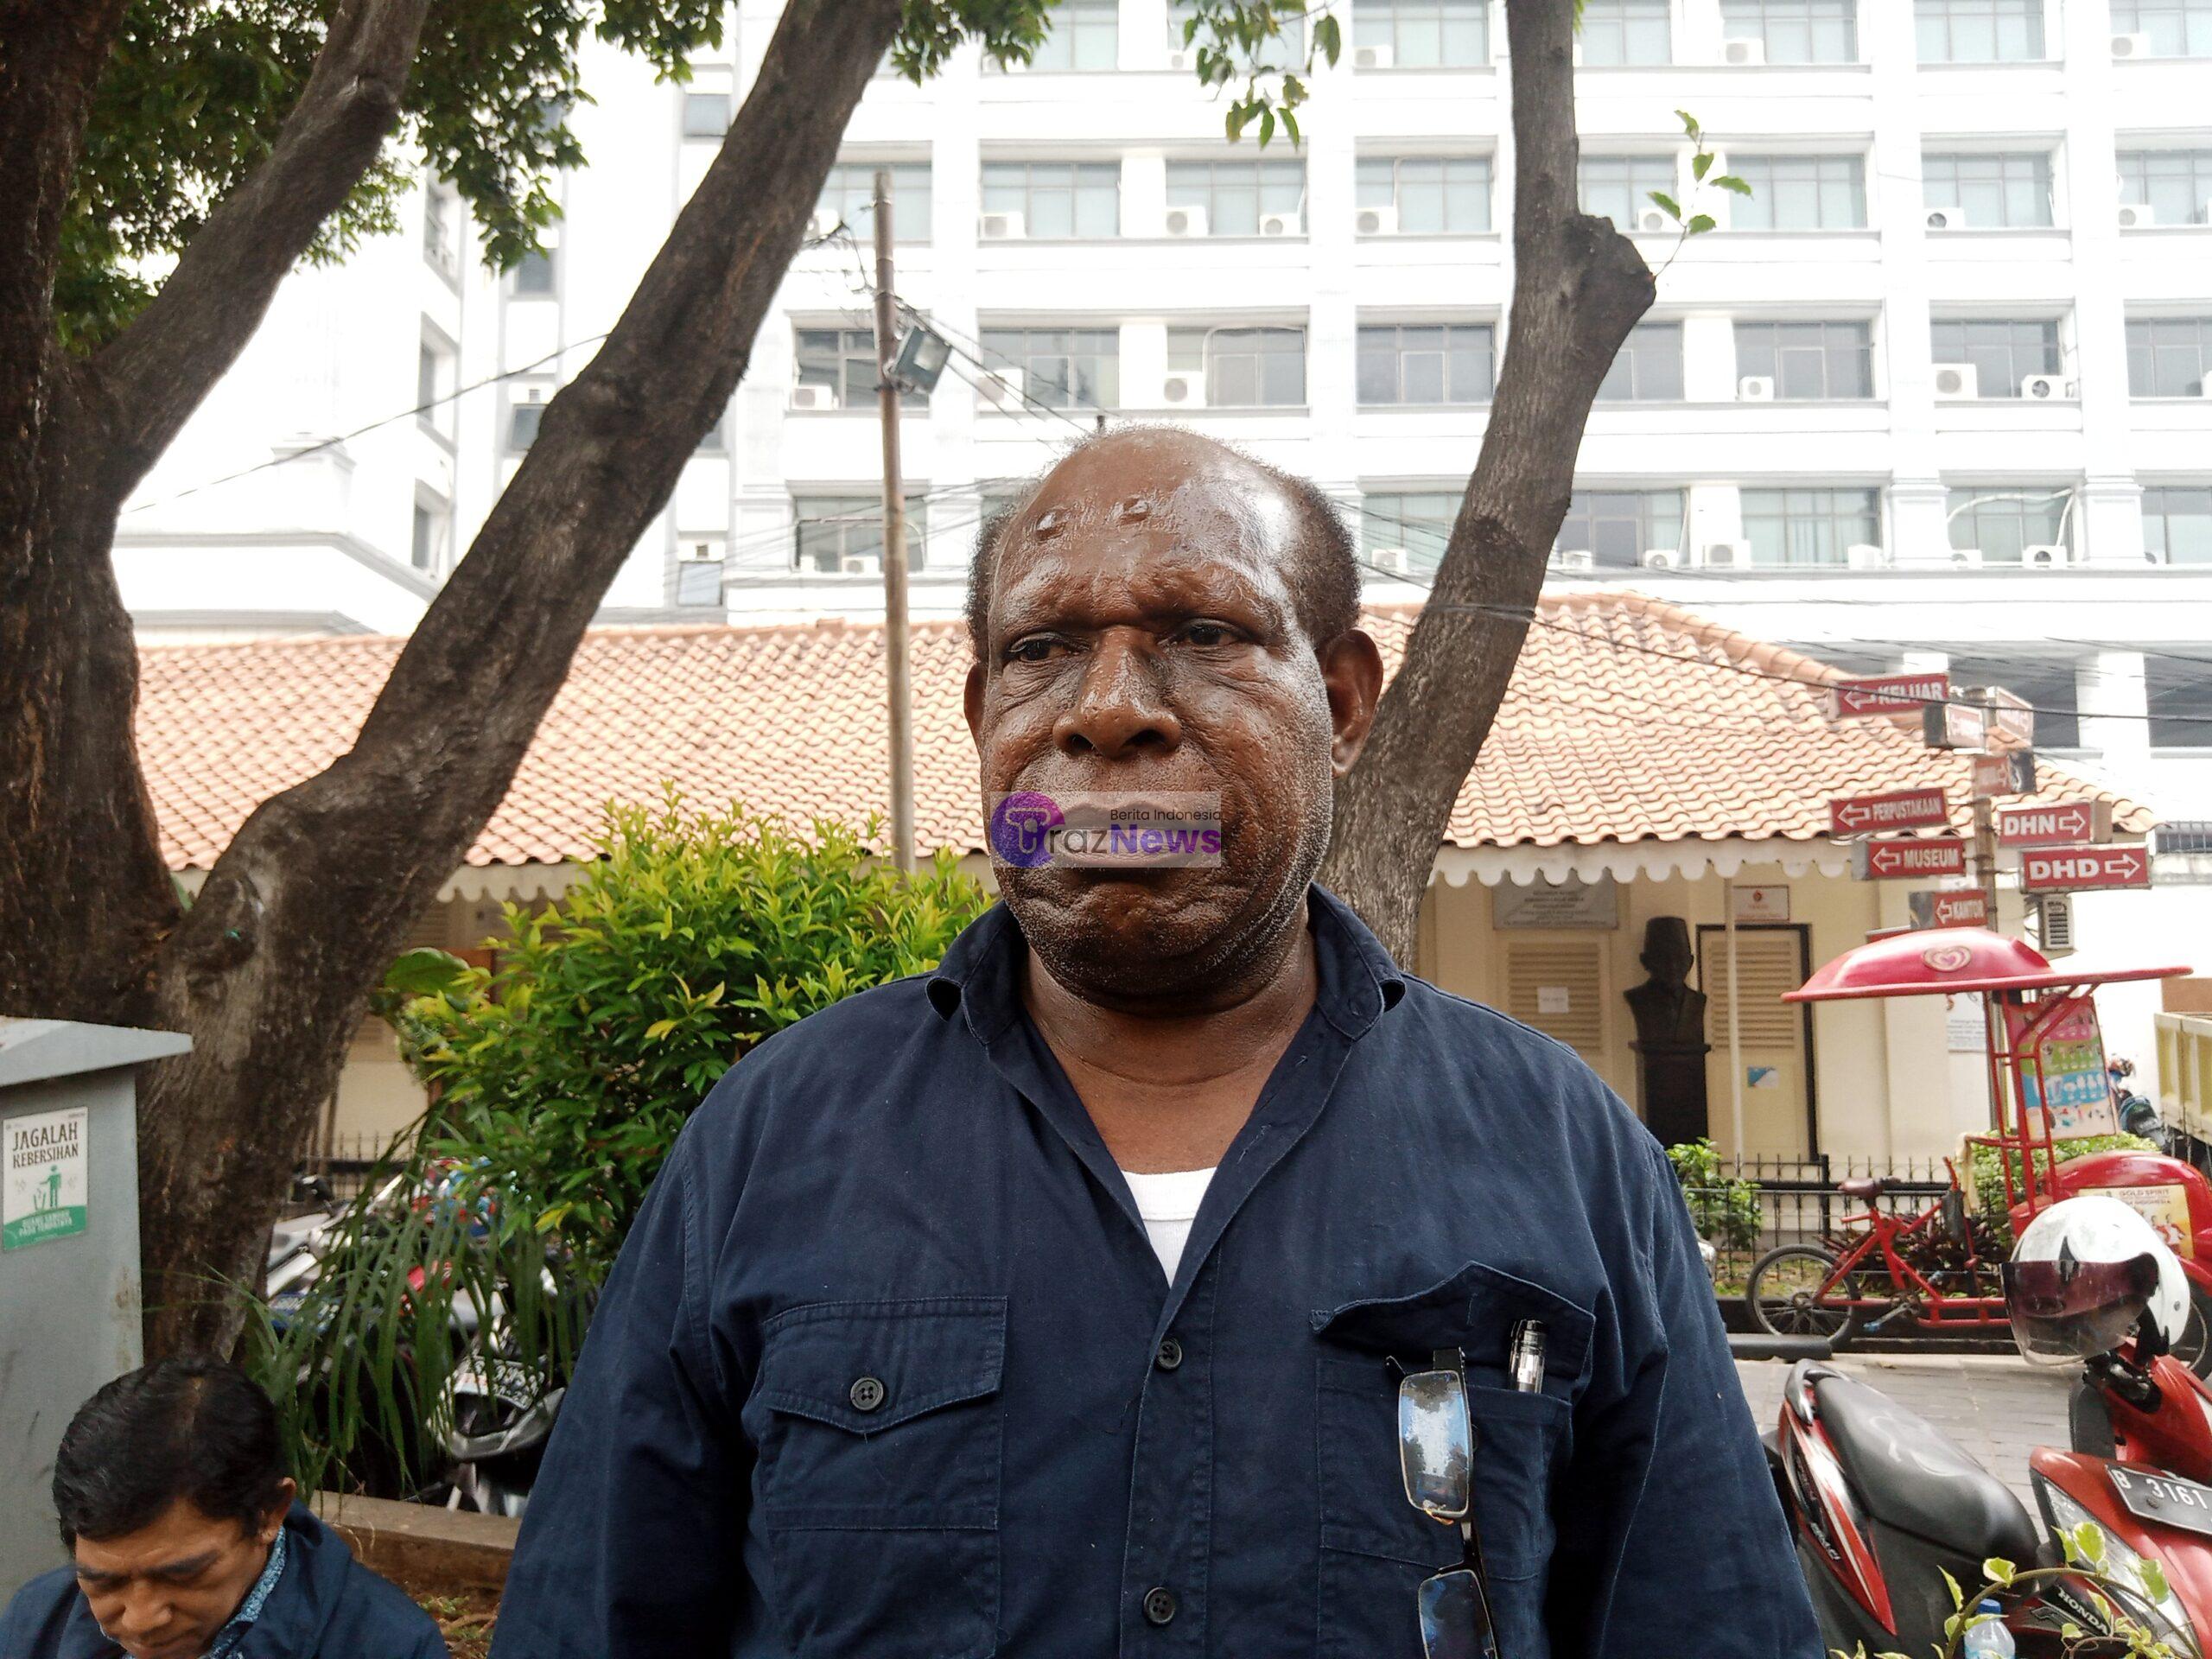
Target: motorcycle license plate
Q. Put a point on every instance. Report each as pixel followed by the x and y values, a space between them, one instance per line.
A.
pixel 2166 1499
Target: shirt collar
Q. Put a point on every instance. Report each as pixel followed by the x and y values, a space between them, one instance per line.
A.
pixel 981 974
pixel 248 1613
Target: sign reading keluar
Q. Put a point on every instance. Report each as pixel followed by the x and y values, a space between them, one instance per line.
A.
pixel 42 1179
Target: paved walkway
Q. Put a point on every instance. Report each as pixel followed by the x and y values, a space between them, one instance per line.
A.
pixel 1997 1407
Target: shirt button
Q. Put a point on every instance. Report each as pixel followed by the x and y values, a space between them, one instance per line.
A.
pixel 1170 1354
pixel 868 1393
pixel 1159 1603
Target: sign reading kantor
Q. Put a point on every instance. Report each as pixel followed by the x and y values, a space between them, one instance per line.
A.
pixel 42 1180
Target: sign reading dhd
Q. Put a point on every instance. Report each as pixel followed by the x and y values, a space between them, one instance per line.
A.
pixel 2073 869
pixel 1900 808
pixel 2064 825
pixel 1896 860
pixel 1964 908
pixel 1886 694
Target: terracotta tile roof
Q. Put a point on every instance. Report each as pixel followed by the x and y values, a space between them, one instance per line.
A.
pixel 1627 719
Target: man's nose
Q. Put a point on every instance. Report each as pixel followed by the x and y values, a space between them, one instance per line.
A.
pixel 145 1613
pixel 1120 707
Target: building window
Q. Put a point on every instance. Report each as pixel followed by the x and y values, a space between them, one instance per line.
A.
pixel 1619 187
pixel 1056 199
pixel 1285 50
pixel 1061 368
pixel 2175 29
pixel 433 529
pixel 534 276
pixel 1431 195
pixel 434 384
pixel 2178 695
pixel 442 229
pixel 2004 354
pixel 706 115
pixel 849 195
pixel 843 359
pixel 1245 368
pixel 833 533
pixel 2002 521
pixel 1616 32
pixel 1423 34
pixel 1081 36
pixel 2004 192
pixel 1808 360
pixel 1801 527
pixel 1979 31
pixel 2176 185
pixel 1799 192
pixel 1648 369
pixel 1617 528
pixel 1236 196
pixel 1416 523
pixel 523 414
pixel 2177 529
pixel 1795 31
pixel 1425 363
pixel 2167 357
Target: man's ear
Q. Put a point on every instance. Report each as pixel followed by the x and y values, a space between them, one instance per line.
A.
pixel 972 702
pixel 1351 669
pixel 271 1524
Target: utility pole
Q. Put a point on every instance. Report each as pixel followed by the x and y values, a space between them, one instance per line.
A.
pixel 895 541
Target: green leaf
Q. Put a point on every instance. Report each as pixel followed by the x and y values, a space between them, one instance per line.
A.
pixel 1266 126
pixel 2154 1579
pixel 1700 224
pixel 1673 209
pixel 1998 1570
pixel 1700 163
pixel 1290 125
pixel 1958 1596
pixel 1689 123
pixel 1730 181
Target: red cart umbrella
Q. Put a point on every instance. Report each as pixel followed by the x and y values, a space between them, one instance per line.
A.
pixel 1937 962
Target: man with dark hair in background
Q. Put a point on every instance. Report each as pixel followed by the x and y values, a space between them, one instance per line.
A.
pixel 190 1543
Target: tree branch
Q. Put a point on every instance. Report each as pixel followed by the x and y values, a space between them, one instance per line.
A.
pixel 1579 286
pixel 154 374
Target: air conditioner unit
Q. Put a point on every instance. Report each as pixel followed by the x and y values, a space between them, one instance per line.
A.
pixel 1003 227
pixel 1727 556
pixel 814 398
pixel 1388 558
pixel 1742 52
pixel 1184 388
pixel 854 567
pixel 1575 559
pixel 1186 221
pixel 1956 382
pixel 1754 389
pixel 823 222
pixel 1946 219
pixel 2043 388
pixel 2134 215
pixel 1001 389
pixel 2055 924
pixel 1281 225
pixel 1965 558
pixel 1181 59
pixel 2046 556
pixel 1373 57
pixel 1653 221
pixel 1377 221
pixel 1864 555
pixel 1661 559
pixel 2131 46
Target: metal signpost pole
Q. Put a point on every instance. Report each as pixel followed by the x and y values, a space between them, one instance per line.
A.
pixel 895 541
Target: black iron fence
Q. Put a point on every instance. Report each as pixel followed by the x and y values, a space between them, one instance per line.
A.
pixel 1799 1201
pixel 343 1163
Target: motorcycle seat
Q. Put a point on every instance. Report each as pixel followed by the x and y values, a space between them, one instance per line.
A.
pixel 1868 1187
pixel 1912 1476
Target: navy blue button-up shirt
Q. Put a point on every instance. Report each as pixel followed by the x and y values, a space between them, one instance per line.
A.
pixel 880 1370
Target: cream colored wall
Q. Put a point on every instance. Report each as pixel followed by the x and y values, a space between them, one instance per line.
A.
pixel 1885 1086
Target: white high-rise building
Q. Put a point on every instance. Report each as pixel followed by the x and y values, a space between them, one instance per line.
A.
pixel 1940 389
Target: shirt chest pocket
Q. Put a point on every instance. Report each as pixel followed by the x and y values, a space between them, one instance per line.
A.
pixel 876 1485
pixel 1375 1547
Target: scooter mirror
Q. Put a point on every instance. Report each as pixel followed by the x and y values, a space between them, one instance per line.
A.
pixel 1435 1443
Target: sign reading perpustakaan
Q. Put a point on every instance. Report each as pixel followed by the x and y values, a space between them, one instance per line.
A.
pixel 42 1189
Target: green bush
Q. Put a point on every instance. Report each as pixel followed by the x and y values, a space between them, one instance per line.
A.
pixel 1725 1211
pixel 1989 1178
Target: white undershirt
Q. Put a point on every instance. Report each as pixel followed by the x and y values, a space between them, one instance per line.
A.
pixel 1169 1203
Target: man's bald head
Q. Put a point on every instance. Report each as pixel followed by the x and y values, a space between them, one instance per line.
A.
pixel 1321 562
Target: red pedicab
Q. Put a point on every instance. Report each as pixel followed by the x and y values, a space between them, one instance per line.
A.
pixel 1937 1269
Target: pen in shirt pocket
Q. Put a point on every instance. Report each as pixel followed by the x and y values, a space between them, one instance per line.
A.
pixel 1525 1359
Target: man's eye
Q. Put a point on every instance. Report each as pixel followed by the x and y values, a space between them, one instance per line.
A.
pixel 1205 634
pixel 1030 651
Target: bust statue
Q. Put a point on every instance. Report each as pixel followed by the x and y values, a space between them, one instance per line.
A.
pixel 1670 1046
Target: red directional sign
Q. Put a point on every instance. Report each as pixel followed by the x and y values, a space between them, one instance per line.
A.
pixel 2010 773
pixel 2062 825
pixel 1886 694
pixel 2072 869
pixel 1963 908
pixel 1900 808
pixel 1895 860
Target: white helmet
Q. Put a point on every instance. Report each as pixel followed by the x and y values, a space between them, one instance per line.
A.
pixel 2085 1273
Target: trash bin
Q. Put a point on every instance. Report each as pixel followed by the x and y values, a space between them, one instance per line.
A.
pixel 69 1275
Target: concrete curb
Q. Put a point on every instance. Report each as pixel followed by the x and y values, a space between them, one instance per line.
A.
pixel 425 1551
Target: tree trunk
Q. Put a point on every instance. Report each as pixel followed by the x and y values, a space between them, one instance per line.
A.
pixel 1579 286
pixel 271 969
